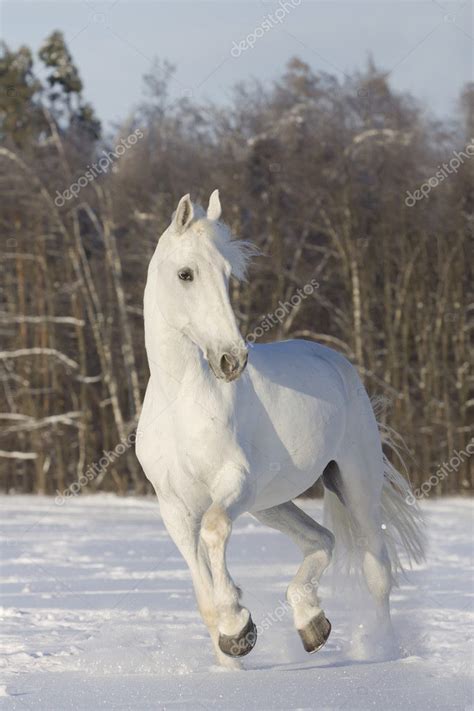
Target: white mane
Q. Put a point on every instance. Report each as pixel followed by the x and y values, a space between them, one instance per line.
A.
pixel 235 251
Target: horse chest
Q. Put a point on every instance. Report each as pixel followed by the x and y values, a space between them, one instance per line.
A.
pixel 202 440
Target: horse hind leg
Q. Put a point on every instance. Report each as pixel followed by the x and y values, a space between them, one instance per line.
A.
pixel 353 499
pixel 316 543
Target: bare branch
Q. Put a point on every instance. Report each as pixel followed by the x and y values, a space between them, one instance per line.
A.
pixel 23 318
pixel 23 352
pixel 18 455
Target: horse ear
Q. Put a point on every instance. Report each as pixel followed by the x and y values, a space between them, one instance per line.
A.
pixel 214 209
pixel 184 214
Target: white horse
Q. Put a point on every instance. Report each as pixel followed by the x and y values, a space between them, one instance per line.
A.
pixel 226 430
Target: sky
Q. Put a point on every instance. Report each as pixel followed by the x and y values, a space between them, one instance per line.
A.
pixel 426 45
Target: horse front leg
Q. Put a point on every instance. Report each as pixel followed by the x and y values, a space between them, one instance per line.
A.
pixel 184 529
pixel 237 632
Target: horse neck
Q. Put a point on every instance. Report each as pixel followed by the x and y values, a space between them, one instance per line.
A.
pixel 172 356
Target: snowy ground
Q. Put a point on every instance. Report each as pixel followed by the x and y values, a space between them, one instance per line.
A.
pixel 98 613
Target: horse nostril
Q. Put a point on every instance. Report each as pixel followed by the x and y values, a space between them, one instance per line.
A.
pixel 228 364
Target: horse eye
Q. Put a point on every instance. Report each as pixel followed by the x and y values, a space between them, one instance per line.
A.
pixel 186 274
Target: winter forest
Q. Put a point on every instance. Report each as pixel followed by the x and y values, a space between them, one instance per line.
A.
pixel 345 186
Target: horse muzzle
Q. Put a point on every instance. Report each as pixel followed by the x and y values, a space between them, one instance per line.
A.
pixel 228 365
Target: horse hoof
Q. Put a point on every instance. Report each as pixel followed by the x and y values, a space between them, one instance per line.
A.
pixel 315 634
pixel 241 644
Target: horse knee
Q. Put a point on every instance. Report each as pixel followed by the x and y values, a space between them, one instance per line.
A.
pixel 215 526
